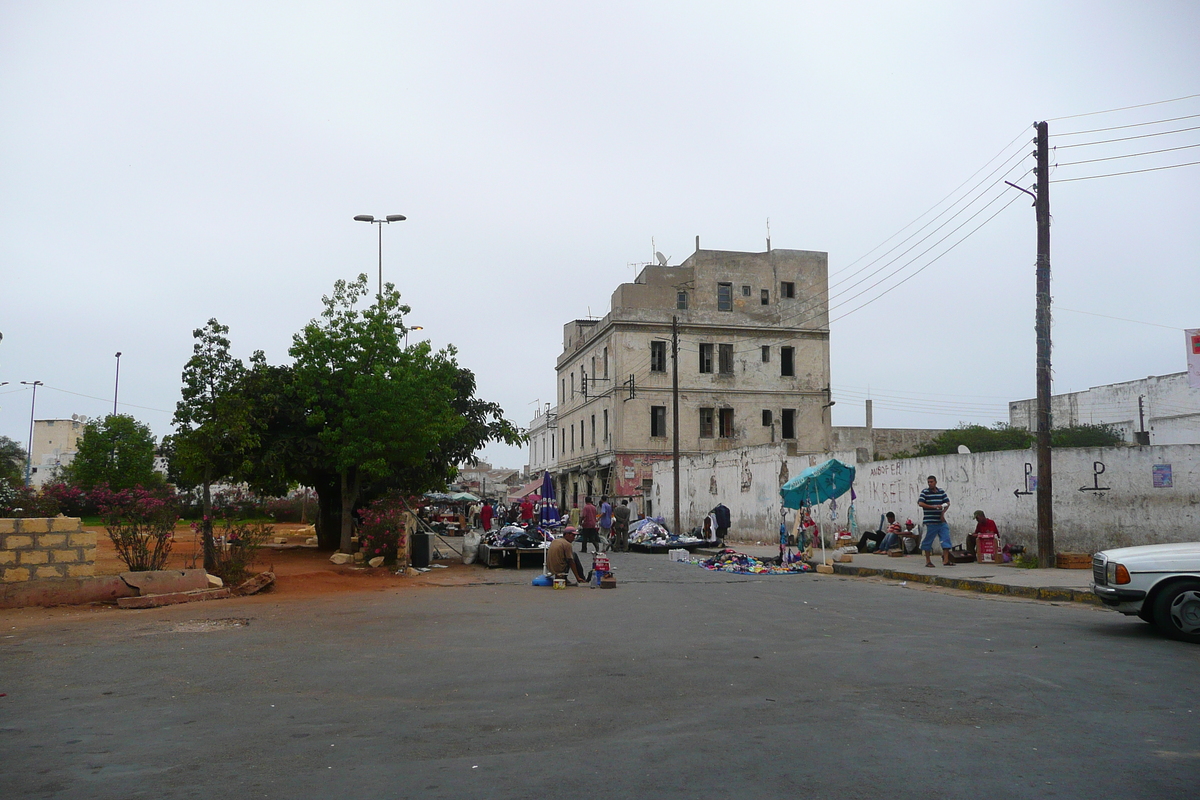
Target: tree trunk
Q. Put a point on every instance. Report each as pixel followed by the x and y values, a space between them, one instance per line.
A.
pixel 329 513
pixel 206 527
pixel 349 496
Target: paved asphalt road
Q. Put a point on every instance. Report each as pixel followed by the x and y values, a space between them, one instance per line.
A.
pixel 679 683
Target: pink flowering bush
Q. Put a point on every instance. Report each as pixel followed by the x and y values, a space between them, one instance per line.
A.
pixel 381 529
pixel 140 522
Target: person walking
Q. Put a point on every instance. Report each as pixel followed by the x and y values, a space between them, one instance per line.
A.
pixel 590 525
pixel 485 516
pixel 934 503
pixel 606 522
pixel 621 527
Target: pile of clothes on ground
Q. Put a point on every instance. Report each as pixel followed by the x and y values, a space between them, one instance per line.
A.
pixel 652 532
pixel 742 564
pixel 514 536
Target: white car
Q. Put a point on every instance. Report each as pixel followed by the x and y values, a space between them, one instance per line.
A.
pixel 1158 582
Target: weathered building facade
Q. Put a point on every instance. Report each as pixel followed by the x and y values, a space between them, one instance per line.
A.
pixel 753 365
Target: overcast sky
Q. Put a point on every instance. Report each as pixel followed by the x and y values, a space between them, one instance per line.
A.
pixel 164 163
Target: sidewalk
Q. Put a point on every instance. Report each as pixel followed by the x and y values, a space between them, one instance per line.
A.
pixel 1072 585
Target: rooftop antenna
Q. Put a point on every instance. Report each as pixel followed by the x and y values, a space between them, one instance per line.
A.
pixel 768 234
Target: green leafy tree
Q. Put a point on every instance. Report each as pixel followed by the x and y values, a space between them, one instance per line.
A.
pixel 117 451
pixel 12 462
pixel 214 427
pixel 1086 435
pixel 978 439
pixel 376 407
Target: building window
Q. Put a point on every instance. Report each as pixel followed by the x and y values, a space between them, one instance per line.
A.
pixel 706 422
pixel 706 358
pixel 572 385
pixel 552 454
pixel 745 291
pixel 787 289
pixel 563 397
pixel 593 430
pixel 725 359
pixel 789 423
pixel 726 422
pixel 767 417
pixel 572 438
pixel 606 362
pixel 606 425
pixel 658 356
pixel 766 354
pixel 681 301
pixel 724 297
pixel 765 297
pixel 658 420
pixel 787 367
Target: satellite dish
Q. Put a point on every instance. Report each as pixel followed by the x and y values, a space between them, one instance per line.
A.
pixel 963 450
pixel 662 260
pixel 75 417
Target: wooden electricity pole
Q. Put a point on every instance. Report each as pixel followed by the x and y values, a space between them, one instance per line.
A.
pixel 675 418
pixel 1045 482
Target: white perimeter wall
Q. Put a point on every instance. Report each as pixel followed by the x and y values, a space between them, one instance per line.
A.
pixel 1126 510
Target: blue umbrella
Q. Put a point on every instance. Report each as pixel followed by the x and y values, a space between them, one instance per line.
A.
pixel 549 510
pixel 818 484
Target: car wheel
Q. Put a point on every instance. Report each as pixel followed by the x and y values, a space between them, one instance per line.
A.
pixel 1177 611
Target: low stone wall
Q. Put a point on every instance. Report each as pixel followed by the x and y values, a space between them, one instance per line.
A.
pixel 38 549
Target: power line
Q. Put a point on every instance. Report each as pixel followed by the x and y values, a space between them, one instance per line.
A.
pixel 1126 138
pixel 1130 172
pixel 1123 127
pixel 106 399
pixel 1122 319
pixel 1127 155
pixel 1125 108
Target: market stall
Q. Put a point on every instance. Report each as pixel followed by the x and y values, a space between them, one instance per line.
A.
pixel 651 535
pixel 815 486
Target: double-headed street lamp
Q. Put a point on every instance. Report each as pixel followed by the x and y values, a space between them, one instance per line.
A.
pixel 32 405
pixel 389 219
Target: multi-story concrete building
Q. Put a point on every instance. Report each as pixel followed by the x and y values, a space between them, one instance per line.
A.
pixel 543 441
pixel 1161 409
pixel 55 443
pixel 753 362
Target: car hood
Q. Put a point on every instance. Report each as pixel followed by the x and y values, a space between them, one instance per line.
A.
pixel 1183 557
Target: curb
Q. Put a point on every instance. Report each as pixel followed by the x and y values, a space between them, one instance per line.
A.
pixel 972 585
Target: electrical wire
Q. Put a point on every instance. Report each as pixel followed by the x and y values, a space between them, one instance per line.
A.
pixel 1127 155
pixel 1121 319
pixel 1129 172
pixel 105 399
pixel 1124 127
pixel 1126 138
pixel 1125 108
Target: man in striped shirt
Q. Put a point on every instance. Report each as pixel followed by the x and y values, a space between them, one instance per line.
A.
pixel 935 502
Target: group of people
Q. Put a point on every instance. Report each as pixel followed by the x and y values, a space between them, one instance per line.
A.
pixel 933 502
pixel 602 526
pixel 493 513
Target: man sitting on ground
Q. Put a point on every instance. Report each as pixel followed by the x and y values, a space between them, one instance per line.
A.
pixel 884 538
pixel 561 558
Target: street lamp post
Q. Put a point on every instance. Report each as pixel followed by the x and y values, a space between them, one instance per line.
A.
pixel 117 383
pixel 29 454
pixel 409 330
pixel 389 219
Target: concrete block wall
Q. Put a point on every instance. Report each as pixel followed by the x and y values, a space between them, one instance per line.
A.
pixel 36 549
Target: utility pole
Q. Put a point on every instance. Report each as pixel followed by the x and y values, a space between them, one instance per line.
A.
pixel 675 417
pixel 1045 482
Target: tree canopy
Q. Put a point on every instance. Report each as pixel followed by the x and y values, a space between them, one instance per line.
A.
pixel 116 450
pixel 1002 436
pixel 12 461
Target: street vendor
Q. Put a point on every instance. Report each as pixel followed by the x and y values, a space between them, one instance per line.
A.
pixel 982 525
pixel 561 557
pixel 885 538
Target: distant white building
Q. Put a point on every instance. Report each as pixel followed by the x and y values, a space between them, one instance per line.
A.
pixel 55 443
pixel 543 441
pixel 1160 409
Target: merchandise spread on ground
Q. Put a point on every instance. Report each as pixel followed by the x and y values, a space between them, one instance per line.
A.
pixel 742 564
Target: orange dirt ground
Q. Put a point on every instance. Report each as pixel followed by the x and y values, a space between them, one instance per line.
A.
pixel 301 571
